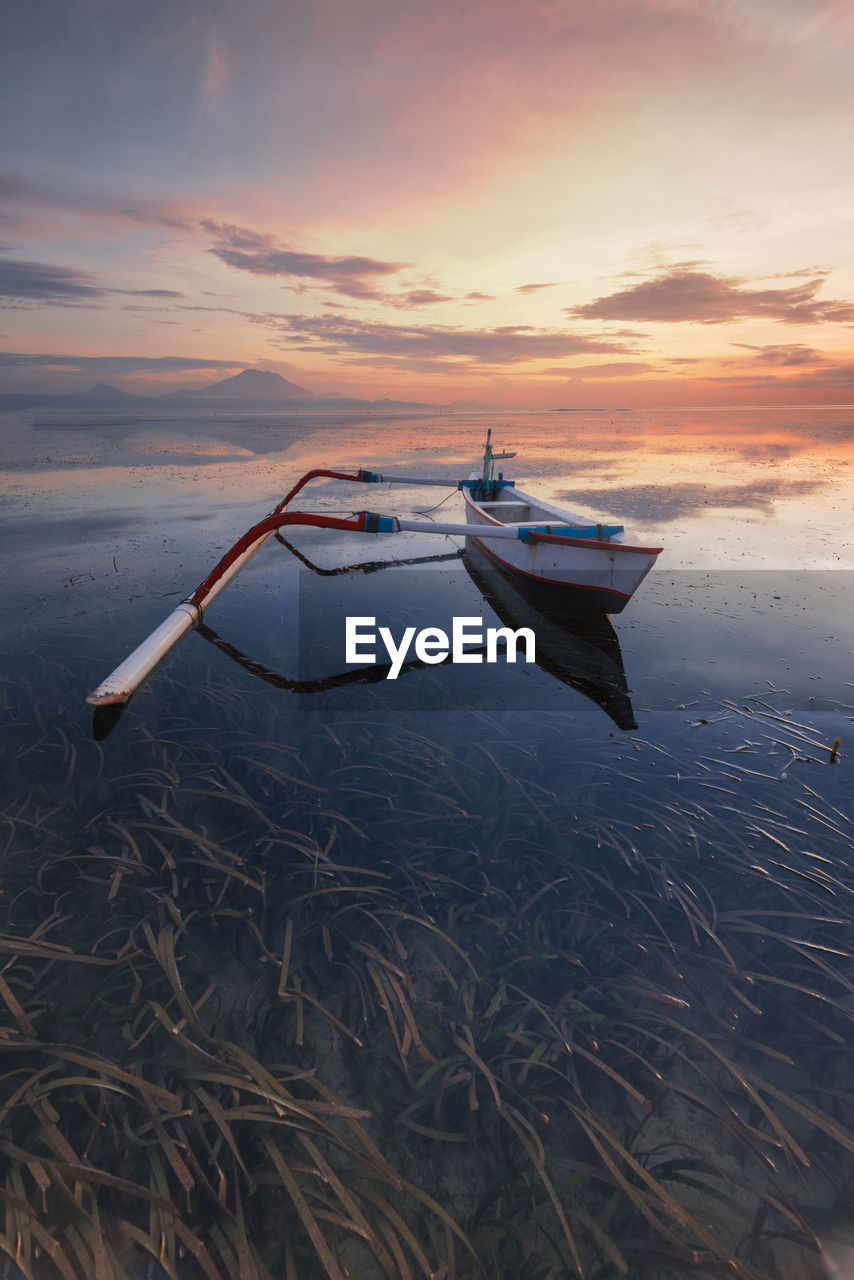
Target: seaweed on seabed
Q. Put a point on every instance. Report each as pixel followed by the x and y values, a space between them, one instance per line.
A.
pixel 256 1028
pixel 125 1115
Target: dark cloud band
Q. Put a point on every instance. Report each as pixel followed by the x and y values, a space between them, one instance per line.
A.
pixel 702 298
pixel 41 282
pixel 112 365
pixel 248 250
pixel 509 344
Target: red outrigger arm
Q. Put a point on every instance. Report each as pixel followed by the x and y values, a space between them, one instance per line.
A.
pixel 361 477
pixel 364 477
pixel 254 539
pixel 122 683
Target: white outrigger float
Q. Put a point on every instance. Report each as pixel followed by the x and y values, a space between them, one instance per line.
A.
pixel 594 564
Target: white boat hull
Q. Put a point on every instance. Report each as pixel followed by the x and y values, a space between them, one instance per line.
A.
pixel 601 573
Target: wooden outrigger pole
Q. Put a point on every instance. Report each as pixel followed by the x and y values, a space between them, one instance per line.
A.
pixel 120 686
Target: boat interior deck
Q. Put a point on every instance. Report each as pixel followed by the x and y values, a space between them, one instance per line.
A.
pixel 522 511
pixel 511 512
pixel 511 507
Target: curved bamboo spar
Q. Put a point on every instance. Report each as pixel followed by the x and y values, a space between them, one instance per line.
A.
pixel 361 476
pixel 122 683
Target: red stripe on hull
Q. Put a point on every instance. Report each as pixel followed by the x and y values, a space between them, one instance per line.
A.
pixel 598 597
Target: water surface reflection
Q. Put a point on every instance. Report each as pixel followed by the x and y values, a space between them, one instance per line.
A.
pixel 449 970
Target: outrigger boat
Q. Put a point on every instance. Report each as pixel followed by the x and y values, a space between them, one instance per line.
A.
pixel 578 647
pixel 597 564
pixel 594 564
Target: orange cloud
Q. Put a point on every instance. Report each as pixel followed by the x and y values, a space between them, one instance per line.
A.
pixel 702 298
pixel 400 344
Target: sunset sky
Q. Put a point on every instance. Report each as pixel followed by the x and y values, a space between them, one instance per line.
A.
pixel 528 202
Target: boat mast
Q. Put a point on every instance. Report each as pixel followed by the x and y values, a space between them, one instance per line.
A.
pixel 489 460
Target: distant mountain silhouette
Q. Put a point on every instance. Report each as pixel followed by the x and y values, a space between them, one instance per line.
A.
pixel 251 384
pixel 103 393
pixel 251 387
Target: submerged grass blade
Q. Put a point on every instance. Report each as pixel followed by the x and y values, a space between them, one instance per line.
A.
pixel 308 1219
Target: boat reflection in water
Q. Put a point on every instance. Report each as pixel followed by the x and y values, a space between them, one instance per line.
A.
pixel 576 645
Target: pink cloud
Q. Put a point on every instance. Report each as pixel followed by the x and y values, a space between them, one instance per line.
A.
pixel 261 255
pixel 505 344
pixel 610 369
pixel 682 295
pixel 784 354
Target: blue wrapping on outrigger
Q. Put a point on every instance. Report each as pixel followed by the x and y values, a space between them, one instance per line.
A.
pixel 481 490
pixel 597 531
pixel 374 523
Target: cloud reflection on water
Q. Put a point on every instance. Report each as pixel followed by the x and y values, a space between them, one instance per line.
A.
pixel 671 502
pixel 748 489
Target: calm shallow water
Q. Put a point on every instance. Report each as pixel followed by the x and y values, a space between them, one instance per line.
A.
pixel 614 888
